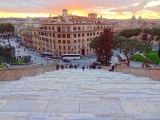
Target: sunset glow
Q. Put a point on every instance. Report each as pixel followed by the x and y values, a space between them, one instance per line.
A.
pixel 113 9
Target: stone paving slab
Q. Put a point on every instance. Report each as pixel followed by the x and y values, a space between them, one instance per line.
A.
pixel 25 106
pixel 75 95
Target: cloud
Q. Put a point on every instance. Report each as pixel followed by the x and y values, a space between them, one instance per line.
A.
pixel 102 7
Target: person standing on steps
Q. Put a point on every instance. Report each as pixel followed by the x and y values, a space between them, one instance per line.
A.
pixel 112 68
pixel 62 67
pixel 83 67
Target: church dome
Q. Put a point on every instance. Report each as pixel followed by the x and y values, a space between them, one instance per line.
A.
pixel 133 17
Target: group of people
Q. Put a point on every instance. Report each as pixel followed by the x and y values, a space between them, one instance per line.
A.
pixel 66 66
pixel 83 67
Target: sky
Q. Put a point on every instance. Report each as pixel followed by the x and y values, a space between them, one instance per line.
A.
pixel 110 9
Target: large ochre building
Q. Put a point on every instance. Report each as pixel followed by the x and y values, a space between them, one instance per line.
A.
pixel 68 33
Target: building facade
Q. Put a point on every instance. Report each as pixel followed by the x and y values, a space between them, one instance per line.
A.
pixel 68 33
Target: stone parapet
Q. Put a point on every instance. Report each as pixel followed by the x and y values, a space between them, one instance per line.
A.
pixel 16 73
pixel 153 73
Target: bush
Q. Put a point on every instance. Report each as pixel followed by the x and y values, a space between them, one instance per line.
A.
pixel 2 65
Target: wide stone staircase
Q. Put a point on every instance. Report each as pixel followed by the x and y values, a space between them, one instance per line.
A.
pixel 76 95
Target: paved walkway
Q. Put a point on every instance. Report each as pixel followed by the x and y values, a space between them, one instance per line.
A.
pixel 76 95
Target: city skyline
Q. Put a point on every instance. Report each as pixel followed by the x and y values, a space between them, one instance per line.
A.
pixel 112 9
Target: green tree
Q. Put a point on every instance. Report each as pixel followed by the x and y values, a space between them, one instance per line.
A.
pixel 26 58
pixel 104 46
pixel 129 46
pixel 128 33
pixel 93 42
pixel 146 47
pixel 156 32
pixel 6 53
pixel 6 27
pixel 147 30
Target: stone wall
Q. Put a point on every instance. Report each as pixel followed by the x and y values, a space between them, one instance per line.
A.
pixel 16 73
pixel 153 73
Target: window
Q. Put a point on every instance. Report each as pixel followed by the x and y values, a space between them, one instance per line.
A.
pixel 75 47
pixel 68 35
pixel 53 35
pixel 97 33
pixel 90 39
pixel 59 29
pixel 50 40
pixel 68 29
pixel 87 34
pixel 64 47
pixel 63 29
pixel 49 35
pixel 75 41
pixel 49 28
pixel 68 41
pixel 79 35
pixel 79 28
pixel 79 46
pixel 52 28
pixel 91 27
pixel 94 33
pixel 59 41
pixel 63 36
pixel 74 28
pixel 59 47
pixel 68 47
pixel 83 35
pixel 64 41
pixel 87 39
pixel 83 40
pixel 90 34
pixel 79 41
pixel 75 35
pixel 59 35
pixel 50 45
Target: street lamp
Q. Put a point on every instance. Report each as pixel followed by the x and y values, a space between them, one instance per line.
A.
pixel 35 60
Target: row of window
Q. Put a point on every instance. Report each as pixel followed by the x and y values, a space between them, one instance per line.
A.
pixel 67 29
pixel 69 35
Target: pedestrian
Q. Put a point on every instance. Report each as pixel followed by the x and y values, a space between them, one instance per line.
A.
pixel 41 64
pixel 78 65
pixel 62 67
pixel 66 66
pixel 87 66
pixel 83 67
pixel 112 69
pixel 57 66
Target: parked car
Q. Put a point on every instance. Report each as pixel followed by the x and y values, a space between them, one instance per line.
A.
pixel 95 63
pixel 7 65
pixel 47 58
pixel 66 60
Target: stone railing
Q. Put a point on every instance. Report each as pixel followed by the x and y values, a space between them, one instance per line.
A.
pixel 16 73
pixel 153 73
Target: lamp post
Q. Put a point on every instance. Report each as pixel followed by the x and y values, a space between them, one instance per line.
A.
pixel 35 60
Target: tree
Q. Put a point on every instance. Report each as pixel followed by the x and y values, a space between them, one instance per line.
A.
pixel 93 42
pixel 7 53
pixel 128 33
pixel 146 47
pixel 6 27
pixel 104 46
pixel 129 46
pixel 26 58
pixel 156 32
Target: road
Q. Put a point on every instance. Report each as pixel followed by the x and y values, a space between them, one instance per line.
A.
pixel 86 60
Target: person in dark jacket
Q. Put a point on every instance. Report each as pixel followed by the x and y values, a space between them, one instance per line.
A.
pixel 112 69
pixel 83 67
pixel 62 67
